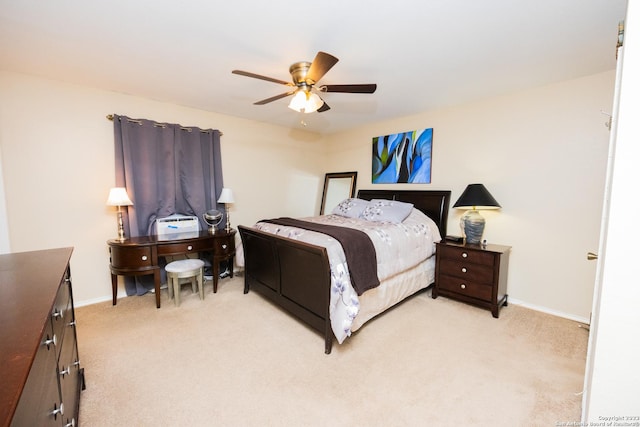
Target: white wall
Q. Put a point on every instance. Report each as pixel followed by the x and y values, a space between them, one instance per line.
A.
pixel 613 373
pixel 58 165
pixel 542 154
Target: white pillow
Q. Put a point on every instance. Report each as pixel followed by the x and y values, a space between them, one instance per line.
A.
pixel 350 208
pixel 381 210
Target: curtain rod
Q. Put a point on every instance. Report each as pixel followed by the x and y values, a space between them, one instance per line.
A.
pixel 162 125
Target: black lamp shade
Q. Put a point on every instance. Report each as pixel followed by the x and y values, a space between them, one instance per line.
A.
pixel 476 196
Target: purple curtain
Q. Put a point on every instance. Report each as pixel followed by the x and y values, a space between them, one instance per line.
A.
pixel 166 169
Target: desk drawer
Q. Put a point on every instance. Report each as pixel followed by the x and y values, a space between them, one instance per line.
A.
pixel 183 247
pixel 224 246
pixel 131 257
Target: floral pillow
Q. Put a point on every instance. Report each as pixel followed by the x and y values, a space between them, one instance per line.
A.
pixel 387 210
pixel 350 208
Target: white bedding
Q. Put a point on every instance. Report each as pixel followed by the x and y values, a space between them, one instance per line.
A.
pixel 399 248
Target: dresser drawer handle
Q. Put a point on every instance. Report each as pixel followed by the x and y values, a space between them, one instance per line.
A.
pixel 464 269
pixel 464 255
pixel 57 410
pixel 65 371
pixel 57 314
pixel 224 246
pixel 463 286
pixel 48 341
pixel 144 257
pixel 72 423
pixel 189 247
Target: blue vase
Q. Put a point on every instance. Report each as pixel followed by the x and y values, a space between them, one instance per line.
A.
pixel 473 225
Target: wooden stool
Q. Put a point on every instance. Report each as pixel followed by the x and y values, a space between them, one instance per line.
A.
pixel 184 269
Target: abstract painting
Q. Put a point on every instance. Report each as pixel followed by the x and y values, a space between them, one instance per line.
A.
pixel 402 158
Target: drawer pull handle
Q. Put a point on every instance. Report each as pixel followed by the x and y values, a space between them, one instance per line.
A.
pixel 144 257
pixel 224 246
pixel 463 286
pixel 71 423
pixel 76 363
pixel 57 410
pixel 464 269
pixel 50 341
pixel 189 247
pixel 464 255
pixel 65 371
pixel 57 314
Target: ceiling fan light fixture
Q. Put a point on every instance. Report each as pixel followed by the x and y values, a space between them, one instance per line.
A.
pixel 305 102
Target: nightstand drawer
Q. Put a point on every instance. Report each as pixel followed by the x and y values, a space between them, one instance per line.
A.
pixel 467 271
pixel 465 287
pixel 462 254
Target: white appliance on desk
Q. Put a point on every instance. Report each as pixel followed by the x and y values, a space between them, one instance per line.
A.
pixel 177 226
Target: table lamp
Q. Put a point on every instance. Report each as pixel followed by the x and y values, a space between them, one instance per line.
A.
pixel 118 197
pixel 226 197
pixel 474 197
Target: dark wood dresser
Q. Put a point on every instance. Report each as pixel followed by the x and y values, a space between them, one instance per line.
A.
pixel 39 363
pixel 476 274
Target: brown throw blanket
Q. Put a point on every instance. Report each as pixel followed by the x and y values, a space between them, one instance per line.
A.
pixel 358 250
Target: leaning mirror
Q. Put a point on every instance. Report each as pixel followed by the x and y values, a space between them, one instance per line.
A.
pixel 337 187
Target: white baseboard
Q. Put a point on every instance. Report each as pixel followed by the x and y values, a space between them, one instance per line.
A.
pixel 94 300
pixel 547 310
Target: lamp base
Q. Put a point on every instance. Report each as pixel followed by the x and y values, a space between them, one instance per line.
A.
pixel 472 223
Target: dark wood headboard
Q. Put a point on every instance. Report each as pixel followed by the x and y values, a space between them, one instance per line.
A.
pixel 435 204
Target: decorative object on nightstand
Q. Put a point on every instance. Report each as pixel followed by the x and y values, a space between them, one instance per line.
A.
pixel 118 197
pixel 472 274
pixel 475 197
pixel 212 217
pixel 226 197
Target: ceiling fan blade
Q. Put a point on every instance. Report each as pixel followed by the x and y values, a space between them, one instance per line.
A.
pixel 258 76
pixel 324 107
pixel 274 98
pixel 320 65
pixel 363 88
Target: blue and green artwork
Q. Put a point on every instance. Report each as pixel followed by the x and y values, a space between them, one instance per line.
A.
pixel 402 158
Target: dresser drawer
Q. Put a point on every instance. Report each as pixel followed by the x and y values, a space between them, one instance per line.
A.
pixel 463 254
pixel 183 247
pixel 131 257
pixel 463 287
pixel 61 314
pixel 467 271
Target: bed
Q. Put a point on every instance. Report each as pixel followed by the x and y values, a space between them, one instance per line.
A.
pixel 296 275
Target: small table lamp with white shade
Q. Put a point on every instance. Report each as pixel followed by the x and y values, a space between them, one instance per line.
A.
pixel 226 197
pixel 118 197
pixel 474 197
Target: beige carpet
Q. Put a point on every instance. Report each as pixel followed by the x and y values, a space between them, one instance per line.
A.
pixel 236 360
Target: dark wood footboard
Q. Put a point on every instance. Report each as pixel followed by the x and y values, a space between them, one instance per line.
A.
pixel 296 275
pixel 292 274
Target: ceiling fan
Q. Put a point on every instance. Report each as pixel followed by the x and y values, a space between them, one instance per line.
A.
pixel 305 77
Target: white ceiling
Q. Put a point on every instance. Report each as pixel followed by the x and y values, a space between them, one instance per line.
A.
pixel 423 54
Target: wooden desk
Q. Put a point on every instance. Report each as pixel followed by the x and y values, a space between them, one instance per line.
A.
pixel 138 256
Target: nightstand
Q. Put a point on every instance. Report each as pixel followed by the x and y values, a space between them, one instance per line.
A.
pixel 473 274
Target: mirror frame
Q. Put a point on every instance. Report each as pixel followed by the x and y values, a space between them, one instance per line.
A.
pixel 337 175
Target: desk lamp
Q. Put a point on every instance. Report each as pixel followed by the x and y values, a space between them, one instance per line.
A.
pixel 118 197
pixel 474 197
pixel 226 197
